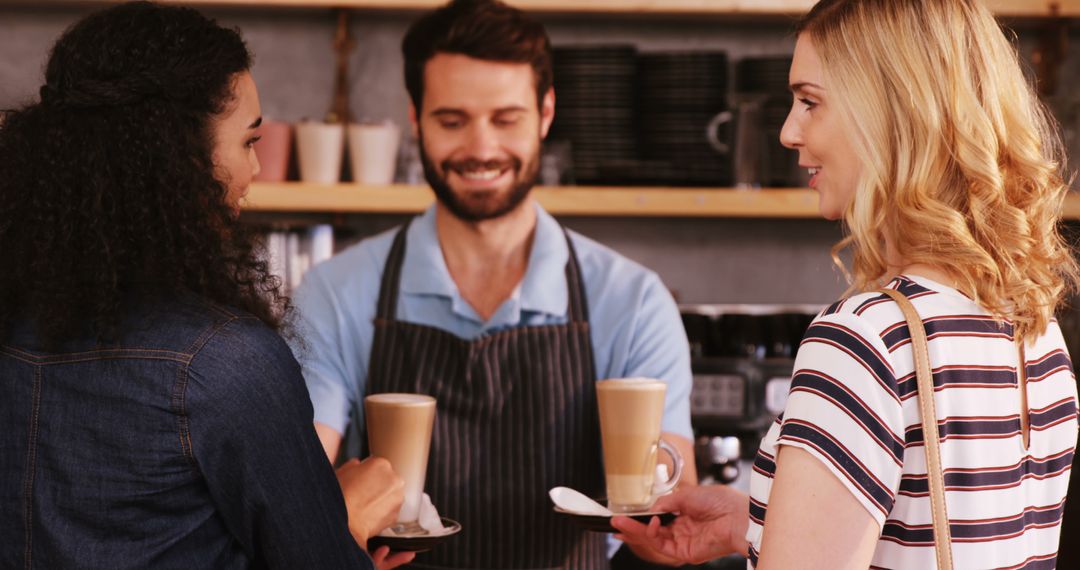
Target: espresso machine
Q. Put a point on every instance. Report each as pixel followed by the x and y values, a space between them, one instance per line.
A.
pixel 742 358
pixel 742 361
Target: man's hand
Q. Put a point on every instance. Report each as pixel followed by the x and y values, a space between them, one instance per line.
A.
pixel 712 523
pixel 373 496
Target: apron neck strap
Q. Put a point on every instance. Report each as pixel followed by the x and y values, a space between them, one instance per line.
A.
pixel 577 309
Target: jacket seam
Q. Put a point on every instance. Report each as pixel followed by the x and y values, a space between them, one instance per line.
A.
pixel 31 468
pixel 179 402
pixel 180 409
pixel 111 354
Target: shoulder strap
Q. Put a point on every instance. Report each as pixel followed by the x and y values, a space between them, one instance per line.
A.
pixel 934 473
pixel 391 278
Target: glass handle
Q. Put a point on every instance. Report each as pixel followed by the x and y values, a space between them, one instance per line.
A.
pixel 677 461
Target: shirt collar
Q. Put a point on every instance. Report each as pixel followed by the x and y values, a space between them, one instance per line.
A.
pixel 542 290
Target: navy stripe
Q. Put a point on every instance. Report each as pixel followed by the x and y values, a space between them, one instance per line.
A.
pixel 831 389
pixel 960 427
pixel 765 464
pixel 857 347
pixel 909 287
pixel 971 480
pixel 757 512
pixel 975 531
pixel 1053 414
pixel 898 334
pixel 841 458
pixel 871 302
pixel 833 308
pixel 1056 359
pixel 960 376
pixel 967 428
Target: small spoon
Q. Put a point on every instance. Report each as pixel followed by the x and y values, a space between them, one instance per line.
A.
pixel 576 502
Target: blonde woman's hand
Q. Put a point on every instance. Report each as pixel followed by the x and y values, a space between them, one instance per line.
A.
pixel 373 496
pixel 712 523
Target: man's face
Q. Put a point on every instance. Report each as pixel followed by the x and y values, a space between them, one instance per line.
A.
pixel 480 131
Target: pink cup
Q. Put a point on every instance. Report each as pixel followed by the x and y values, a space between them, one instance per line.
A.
pixel 273 150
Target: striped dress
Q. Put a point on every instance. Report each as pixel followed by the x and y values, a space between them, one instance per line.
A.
pixel 852 405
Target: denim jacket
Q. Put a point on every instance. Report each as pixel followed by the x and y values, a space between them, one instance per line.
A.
pixel 187 444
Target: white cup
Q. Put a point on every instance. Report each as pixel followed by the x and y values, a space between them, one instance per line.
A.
pixel 320 147
pixel 373 151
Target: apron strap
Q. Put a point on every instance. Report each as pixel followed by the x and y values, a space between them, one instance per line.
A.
pixel 391 279
pixel 578 309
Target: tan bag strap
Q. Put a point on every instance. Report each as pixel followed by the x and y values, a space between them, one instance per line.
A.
pixel 934 473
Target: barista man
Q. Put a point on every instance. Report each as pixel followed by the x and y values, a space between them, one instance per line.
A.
pixel 488 304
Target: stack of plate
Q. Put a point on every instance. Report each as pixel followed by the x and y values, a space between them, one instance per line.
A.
pixel 763 75
pixel 680 94
pixel 766 78
pixel 595 89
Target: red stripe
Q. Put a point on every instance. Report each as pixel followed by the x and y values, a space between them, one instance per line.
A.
pixel 1029 561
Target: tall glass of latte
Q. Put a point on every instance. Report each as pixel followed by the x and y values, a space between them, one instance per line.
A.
pixel 399 430
pixel 630 414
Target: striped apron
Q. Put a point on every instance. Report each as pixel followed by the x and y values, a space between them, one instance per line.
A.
pixel 516 416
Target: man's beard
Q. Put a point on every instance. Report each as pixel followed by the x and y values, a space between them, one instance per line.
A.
pixel 487 207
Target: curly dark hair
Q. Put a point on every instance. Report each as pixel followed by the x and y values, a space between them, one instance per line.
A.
pixel 108 190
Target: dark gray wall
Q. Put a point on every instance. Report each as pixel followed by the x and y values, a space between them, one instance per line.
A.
pixel 703 261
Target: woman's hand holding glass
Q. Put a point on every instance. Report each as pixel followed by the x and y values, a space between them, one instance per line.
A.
pixel 712 523
pixel 373 495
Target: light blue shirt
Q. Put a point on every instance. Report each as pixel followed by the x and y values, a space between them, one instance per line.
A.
pixel 634 322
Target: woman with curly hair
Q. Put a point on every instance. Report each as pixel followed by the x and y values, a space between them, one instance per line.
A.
pixel 922 134
pixel 150 415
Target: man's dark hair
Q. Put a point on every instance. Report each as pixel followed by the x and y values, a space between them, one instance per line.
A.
pixel 108 190
pixel 482 29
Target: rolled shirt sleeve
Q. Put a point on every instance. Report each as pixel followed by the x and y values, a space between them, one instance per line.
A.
pixel 844 410
pixel 319 344
pixel 659 349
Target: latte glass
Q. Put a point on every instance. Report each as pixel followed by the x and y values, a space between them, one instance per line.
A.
pixel 399 430
pixel 630 414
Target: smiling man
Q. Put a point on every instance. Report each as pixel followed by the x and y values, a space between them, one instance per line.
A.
pixel 488 304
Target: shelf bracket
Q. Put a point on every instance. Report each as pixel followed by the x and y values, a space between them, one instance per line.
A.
pixel 343 46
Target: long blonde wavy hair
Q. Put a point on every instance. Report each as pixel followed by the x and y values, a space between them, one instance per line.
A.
pixel 960 161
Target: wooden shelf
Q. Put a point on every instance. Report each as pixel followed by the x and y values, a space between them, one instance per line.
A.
pixel 1008 8
pixel 598 201
pixel 564 201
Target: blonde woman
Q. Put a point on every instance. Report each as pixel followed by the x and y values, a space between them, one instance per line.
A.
pixel 922 134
